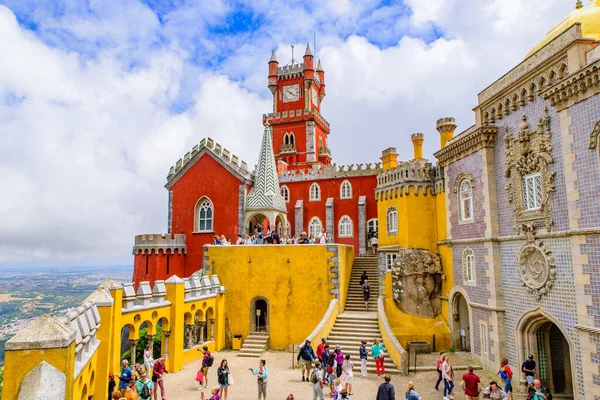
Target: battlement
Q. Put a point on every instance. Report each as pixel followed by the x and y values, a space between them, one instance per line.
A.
pixel 147 243
pixel 209 145
pixel 447 124
pixel 418 170
pixel 294 115
pixel 290 71
pixel 330 171
pixel 417 136
pixel 85 321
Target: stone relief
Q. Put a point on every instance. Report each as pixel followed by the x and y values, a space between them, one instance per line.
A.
pixel 527 153
pixel 536 265
pixel 417 282
pixel 594 136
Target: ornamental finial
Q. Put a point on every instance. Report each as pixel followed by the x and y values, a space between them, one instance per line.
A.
pixel 579 5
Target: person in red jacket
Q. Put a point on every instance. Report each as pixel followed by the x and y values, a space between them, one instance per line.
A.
pixel 321 348
pixel 157 377
pixel 506 374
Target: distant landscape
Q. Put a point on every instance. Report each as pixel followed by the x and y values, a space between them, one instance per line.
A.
pixel 28 292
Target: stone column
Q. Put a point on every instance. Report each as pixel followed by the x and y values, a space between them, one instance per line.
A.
pixel 133 350
pixel 212 329
pixel 362 225
pixel 241 209
pixel 151 340
pixel 188 336
pixel 329 218
pixel 298 218
pixel 202 325
pixel 166 335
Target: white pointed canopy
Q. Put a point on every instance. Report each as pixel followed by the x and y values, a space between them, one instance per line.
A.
pixel 265 194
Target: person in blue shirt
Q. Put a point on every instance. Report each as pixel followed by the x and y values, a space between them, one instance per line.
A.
pixel 262 375
pixel 363 354
pixel 125 377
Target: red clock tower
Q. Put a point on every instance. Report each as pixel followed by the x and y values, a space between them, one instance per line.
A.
pixel 299 130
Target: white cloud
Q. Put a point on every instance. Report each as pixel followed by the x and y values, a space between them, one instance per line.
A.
pixel 88 136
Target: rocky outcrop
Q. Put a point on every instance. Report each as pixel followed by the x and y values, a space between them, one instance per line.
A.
pixel 417 282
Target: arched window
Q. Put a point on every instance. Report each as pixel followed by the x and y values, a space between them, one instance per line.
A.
pixel 532 191
pixel 286 139
pixel 292 139
pixel 468 261
pixel 372 225
pixel 466 201
pixel 315 192
pixel 285 193
pixel 346 190
pixel 392 220
pixel 204 215
pixel 345 227
pixel 315 227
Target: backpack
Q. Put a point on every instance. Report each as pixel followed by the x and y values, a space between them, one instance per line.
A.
pixel 145 393
pixel 313 376
pixel 503 374
pixel 209 361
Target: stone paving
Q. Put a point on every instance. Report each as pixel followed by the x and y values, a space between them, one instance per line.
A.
pixel 284 381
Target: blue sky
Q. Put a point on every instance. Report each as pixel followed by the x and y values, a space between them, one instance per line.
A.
pixel 99 98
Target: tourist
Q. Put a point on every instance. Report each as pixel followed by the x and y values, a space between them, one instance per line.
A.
pixel 111 385
pixel 337 388
pixel 538 392
pixel 470 384
pixel 374 244
pixel 363 354
pixel 247 239
pixel 290 397
pixel 320 348
pixel 137 371
pixel 347 367
pixel 216 240
pixel 411 393
pixel 323 237
pixel 262 374
pixel 224 240
pixel 144 387
pixel 223 378
pixel 386 390
pixel 157 377
pixel 317 381
pixel 528 368
pixel 344 394
pixel 339 359
pixel 306 356
pixel 493 392
pixel 131 391
pixel 366 293
pixel 311 240
pixel 326 354
pixel 363 278
pixel 148 358
pixel 240 240
pixel 125 376
pixel 330 371
pixel 506 375
pixel 329 239
pixel 214 394
pixel 207 362
pixel 378 354
pixel 438 368
pixel 447 374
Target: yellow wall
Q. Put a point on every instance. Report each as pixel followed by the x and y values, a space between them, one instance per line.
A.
pixel 298 291
pixel 445 252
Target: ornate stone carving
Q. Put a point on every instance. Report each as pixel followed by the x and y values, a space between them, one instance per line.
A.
pixel 594 136
pixel 527 153
pixel 536 265
pixel 461 177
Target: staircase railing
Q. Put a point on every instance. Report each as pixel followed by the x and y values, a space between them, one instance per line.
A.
pixel 395 350
pixel 326 324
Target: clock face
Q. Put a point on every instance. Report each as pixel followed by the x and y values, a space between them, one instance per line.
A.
pixel 315 97
pixel 291 93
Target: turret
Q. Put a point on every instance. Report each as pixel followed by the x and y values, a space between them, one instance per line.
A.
pixel 417 140
pixel 309 64
pixel 273 66
pixel 321 74
pixel 389 158
pixel 446 127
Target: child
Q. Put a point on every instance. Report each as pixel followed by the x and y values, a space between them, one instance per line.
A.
pixel 111 384
pixel 338 388
pixel 506 375
pixel 215 394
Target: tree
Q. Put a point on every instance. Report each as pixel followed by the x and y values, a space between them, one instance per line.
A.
pixel 141 346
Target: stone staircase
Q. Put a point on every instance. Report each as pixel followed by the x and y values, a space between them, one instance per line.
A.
pixel 357 323
pixel 255 345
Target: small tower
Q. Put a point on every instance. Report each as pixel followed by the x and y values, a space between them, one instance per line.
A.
pixel 389 158
pixel 273 67
pixel 417 140
pixel 321 77
pixel 446 127
pixel 308 71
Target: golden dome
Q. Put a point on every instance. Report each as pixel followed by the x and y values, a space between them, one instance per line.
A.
pixel 588 16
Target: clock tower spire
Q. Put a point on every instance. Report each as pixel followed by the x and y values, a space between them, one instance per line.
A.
pixel 299 130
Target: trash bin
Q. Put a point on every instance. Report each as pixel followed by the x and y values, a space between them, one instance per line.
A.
pixel 237 342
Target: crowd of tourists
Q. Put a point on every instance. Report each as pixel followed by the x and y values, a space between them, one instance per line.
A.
pixel 273 238
pixel 139 383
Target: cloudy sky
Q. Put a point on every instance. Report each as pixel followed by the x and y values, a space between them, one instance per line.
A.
pixel 98 98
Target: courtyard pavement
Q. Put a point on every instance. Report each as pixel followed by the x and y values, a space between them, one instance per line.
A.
pixel 284 381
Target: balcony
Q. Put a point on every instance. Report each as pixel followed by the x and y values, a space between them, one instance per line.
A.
pixel 324 151
pixel 289 148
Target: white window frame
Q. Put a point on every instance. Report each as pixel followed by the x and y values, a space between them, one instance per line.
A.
pixel 285 193
pixel 207 220
pixel 312 225
pixel 345 227
pixel 346 190
pixel 465 201
pixel 390 260
pixel 376 224
pixel 314 192
pixel 532 200
pixel 392 220
pixel 468 260
pixel 484 339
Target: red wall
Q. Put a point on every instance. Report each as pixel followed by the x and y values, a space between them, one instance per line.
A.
pixel 157 266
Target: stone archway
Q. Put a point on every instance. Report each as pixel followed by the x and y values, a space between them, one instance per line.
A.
pixel 541 335
pixel 260 311
pixel 461 323
pixel 257 224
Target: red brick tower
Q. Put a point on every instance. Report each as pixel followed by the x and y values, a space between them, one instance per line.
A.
pixel 299 130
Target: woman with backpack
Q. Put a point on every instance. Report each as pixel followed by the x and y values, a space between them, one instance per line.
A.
pixel 506 374
pixel 223 378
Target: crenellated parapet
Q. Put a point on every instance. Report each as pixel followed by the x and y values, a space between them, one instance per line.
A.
pixel 157 242
pixel 330 171
pixel 85 321
pixel 296 115
pixel 221 154
pixel 409 177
